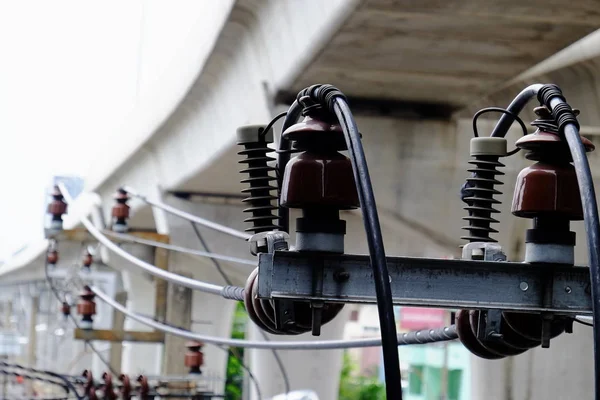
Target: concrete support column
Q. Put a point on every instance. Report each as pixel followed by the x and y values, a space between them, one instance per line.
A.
pixel 211 314
pixel 317 370
pixel 138 357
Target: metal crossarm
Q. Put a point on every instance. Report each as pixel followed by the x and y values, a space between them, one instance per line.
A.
pixel 427 282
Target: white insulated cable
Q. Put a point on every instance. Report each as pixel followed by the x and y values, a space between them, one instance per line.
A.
pixel 190 217
pixel 151 269
pixel 418 337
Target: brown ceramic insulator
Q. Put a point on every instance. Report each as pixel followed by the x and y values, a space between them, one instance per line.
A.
pixel 86 305
pixel 86 308
pixel 319 180
pixel 120 211
pixel 266 313
pixel 65 309
pixel 262 313
pixel 144 387
pixel 194 358
pixel 468 338
pixel 57 206
pixel 88 386
pixel 125 387
pixel 52 257
pixel 109 392
pixel 544 189
pixel 248 303
pixel 497 346
pixel 530 325
pixel 87 259
pixel 515 339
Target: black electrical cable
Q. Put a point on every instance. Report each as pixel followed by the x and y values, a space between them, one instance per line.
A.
pixel 35 378
pixel 389 340
pixel 505 112
pixel 334 100
pixel 74 320
pixel 273 121
pixel 515 107
pixel 583 323
pixel 551 96
pixel 64 378
pixel 234 353
pixel 500 110
pixel 280 365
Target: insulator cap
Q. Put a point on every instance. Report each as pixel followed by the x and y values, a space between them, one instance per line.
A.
pixel 547 142
pixel 194 358
pixel 57 206
pixel 65 309
pixel 87 259
pixel 52 257
pixel 254 134
pixel 488 146
pixel 312 130
pixel 86 305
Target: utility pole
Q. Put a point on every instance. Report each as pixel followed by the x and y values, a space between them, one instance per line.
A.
pixel 31 344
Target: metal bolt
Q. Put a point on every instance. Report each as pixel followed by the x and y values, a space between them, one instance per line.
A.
pixel 568 289
pixel 341 276
pixel 524 286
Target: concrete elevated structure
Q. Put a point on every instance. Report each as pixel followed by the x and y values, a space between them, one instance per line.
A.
pixel 414 72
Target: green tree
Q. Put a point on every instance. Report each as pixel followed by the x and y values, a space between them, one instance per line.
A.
pixel 358 388
pixel 235 373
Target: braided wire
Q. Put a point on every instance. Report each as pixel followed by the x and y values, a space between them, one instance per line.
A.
pixel 428 336
pixel 233 293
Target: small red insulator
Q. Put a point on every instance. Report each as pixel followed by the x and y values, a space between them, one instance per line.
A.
pixel 52 257
pixel 86 307
pixel 144 387
pixel 87 259
pixel 109 392
pixel 65 309
pixel 125 387
pixel 194 358
pixel 120 211
pixel 57 208
pixel 89 381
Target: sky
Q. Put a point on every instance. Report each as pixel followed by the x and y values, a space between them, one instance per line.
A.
pixel 67 73
pixel 72 75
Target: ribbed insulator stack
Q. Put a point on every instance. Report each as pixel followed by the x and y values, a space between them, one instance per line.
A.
pixel 57 208
pixel 194 358
pixel 260 175
pixel 120 211
pixel 86 307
